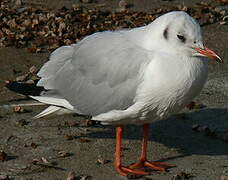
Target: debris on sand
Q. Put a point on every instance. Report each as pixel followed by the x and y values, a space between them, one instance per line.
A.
pixel 45 160
pixel 19 109
pixel 63 154
pixel 182 176
pixel 4 177
pixel 68 137
pixel 83 177
pixel 224 20
pixel 224 177
pixel 45 164
pixel 90 123
pixel 29 77
pixel 41 29
pixel 83 140
pixel 195 106
pixel 3 156
pixel 213 132
pixel 101 160
pixel 133 176
pixel 71 176
pixel 22 122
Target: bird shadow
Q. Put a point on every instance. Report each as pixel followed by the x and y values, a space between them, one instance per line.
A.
pixel 176 132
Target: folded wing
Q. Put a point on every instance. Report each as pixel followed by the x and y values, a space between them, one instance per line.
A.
pixel 99 74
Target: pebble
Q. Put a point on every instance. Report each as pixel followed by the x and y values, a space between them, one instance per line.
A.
pixel 224 177
pixel 71 176
pixel 4 177
pixel 195 127
pixel 3 156
pixel 68 137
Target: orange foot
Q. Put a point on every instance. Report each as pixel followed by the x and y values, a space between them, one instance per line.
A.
pixel 135 169
pixel 125 171
pixel 158 166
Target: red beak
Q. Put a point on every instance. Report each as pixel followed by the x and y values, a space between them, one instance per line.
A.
pixel 209 53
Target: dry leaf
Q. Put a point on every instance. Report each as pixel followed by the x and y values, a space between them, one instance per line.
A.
pixel 19 109
pixel 68 137
pixel 45 160
pixel 63 154
pixel 224 177
pixel 3 156
pixel 71 176
pixel 33 70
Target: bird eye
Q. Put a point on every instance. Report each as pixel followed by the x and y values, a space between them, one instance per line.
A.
pixel 182 38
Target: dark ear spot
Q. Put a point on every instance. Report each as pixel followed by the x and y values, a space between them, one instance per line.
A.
pixel 165 33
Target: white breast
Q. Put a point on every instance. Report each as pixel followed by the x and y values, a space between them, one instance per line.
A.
pixel 170 84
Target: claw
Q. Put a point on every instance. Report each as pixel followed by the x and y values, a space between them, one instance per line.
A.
pixel 124 171
pixel 158 166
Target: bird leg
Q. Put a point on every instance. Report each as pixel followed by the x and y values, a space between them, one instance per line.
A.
pixel 123 170
pixel 143 162
pixel 135 168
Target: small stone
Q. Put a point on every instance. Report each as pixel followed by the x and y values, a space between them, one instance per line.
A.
pixel 223 23
pixel 45 160
pixel 225 137
pixel 205 129
pixel 4 177
pixel 63 154
pixel 22 122
pixel 122 3
pixel 181 176
pixel 3 156
pixel 84 140
pixel 225 18
pixel 30 81
pixel 35 161
pixel 133 176
pixel 211 133
pixel 19 109
pixel 101 160
pixel 34 49
pixel 68 137
pixel 191 105
pixel 177 177
pixel 195 127
pixel 90 123
pixel 122 6
pixel 224 177
pixel 84 177
pixel 86 1
pixel 18 3
pixel 72 124
pixel 33 69
pixel 33 145
pixel 71 176
pixel 22 78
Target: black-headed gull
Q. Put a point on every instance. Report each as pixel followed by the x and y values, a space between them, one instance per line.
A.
pixel 135 76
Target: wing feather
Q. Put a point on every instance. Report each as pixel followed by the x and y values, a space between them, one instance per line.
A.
pixel 101 74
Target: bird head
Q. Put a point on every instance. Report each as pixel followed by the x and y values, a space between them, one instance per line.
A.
pixel 179 33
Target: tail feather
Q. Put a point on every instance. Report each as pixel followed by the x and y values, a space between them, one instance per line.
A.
pixel 53 110
pixel 25 88
pixel 58 105
pixel 53 101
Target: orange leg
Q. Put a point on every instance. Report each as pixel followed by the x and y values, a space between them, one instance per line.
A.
pixel 135 168
pixel 143 162
pixel 123 170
